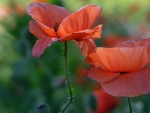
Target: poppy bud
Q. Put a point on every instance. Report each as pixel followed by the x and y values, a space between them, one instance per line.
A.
pixel 43 108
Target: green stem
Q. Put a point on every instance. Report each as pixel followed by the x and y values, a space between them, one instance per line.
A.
pixel 68 80
pixel 129 103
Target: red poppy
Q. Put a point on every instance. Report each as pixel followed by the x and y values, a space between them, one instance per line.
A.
pixel 112 40
pixel 134 7
pixel 104 101
pixel 122 70
pixel 53 23
pixel 80 79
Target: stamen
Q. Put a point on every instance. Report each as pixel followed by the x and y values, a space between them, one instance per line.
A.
pixel 56 25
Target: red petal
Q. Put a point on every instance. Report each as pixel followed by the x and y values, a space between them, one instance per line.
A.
pixel 41 45
pixel 35 29
pixel 99 31
pixel 130 84
pixel 84 34
pixel 80 20
pixel 93 59
pixel 100 75
pixel 144 43
pixel 49 31
pixel 87 46
pixel 47 14
pixel 123 59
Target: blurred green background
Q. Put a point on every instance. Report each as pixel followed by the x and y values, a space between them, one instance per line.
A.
pixel 26 82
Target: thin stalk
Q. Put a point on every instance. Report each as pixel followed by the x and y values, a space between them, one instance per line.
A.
pixel 67 79
pixel 129 103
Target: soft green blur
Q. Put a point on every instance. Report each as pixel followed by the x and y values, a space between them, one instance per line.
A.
pixel 26 82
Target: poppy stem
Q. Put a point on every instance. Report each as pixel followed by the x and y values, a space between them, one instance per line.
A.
pixel 129 103
pixel 67 80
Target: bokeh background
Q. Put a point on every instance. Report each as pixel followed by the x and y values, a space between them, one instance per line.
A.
pixel 26 82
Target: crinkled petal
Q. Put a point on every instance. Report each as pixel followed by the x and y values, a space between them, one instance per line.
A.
pixel 130 84
pixel 99 31
pixel 121 59
pixel 47 14
pixel 93 59
pixel 116 84
pixel 84 34
pixel 41 45
pixel 49 31
pixel 35 29
pixel 87 46
pixel 96 33
pixel 143 43
pixel 100 75
pixel 80 20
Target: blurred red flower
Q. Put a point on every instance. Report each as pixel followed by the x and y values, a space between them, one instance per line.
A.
pixel 53 23
pixel 104 101
pixel 112 40
pixel 81 79
pixel 122 70
pixel 148 15
pixel 4 12
pixel 134 7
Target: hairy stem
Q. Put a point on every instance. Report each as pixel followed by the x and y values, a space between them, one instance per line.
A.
pixel 68 80
pixel 129 103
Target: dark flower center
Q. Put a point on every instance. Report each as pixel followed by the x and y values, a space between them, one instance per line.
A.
pixel 123 73
pixel 56 25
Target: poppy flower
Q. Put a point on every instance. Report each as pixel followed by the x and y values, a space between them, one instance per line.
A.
pixel 53 23
pixel 112 40
pixel 122 70
pixel 104 101
pixel 81 79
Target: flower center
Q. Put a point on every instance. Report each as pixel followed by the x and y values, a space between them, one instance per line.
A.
pixel 56 25
pixel 123 73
